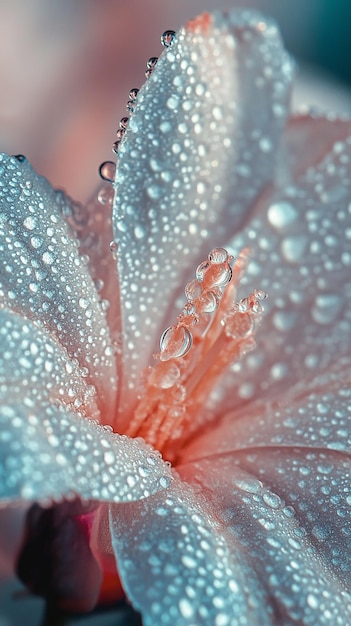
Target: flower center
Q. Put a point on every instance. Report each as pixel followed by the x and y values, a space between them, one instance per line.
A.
pixel 211 333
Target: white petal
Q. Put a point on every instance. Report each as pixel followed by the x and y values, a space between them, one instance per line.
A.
pixel 228 552
pixel 176 566
pixel 47 453
pixel 199 147
pixel 45 279
pixel 48 448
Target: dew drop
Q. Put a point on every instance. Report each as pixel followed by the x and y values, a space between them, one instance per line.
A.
pixel 207 303
pixel 114 249
pixel 115 147
pixel 281 214
pixel 123 122
pixel 105 196
pixel 168 38
pixel 107 171
pixel 218 256
pixel 175 342
pixel 151 63
pixel 139 231
pixel 20 157
pixel 193 290
pixel 133 94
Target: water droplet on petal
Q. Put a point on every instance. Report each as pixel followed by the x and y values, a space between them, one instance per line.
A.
pixel 105 196
pixel 114 248
pixel 167 38
pixel 281 214
pixel 151 63
pixel 115 147
pixel 107 171
pixel 20 157
pixel 123 122
pixel 133 93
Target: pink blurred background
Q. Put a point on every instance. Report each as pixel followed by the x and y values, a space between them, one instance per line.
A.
pixel 66 69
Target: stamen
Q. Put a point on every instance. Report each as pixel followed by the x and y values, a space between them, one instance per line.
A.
pixel 212 332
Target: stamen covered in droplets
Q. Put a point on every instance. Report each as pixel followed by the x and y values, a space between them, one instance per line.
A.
pixel 212 332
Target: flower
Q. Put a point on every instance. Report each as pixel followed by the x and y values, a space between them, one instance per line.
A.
pixel 254 526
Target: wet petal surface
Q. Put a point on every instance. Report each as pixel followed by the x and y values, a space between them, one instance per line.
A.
pixel 300 238
pixel 229 552
pixel 176 565
pixel 48 447
pixel 192 132
pixel 45 279
pixel 271 509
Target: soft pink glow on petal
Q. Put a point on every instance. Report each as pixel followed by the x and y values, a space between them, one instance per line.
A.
pixel 313 414
pixel 300 238
pixel 209 114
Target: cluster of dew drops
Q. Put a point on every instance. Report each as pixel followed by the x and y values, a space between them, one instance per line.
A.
pixel 107 169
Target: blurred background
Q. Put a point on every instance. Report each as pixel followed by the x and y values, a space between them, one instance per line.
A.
pixel 66 69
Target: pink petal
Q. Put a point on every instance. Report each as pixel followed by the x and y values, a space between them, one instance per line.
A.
pixel 45 279
pixel 300 237
pixel 198 149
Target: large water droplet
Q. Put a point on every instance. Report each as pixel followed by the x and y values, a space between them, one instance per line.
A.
pixel 107 171
pixel 281 214
pixel 218 255
pixel 175 342
pixel 168 38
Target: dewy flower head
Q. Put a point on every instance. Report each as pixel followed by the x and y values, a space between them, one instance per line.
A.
pixel 254 526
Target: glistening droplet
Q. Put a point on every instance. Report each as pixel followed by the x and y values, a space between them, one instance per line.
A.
pixel 114 249
pixel 175 342
pixel 107 171
pixel 167 38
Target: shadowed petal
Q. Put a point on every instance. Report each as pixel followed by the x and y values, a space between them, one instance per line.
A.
pixel 314 413
pixel 227 553
pixel 176 565
pixel 48 453
pixel 303 584
pixel 198 149
pixel 45 279
pixel 48 449
pixel 300 449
